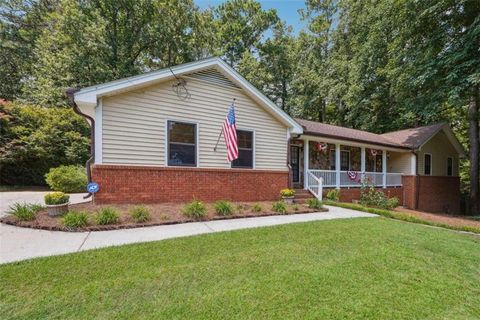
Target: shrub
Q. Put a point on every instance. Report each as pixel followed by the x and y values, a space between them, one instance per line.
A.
pixel 287 193
pixel 195 209
pixel 223 208
pixel 333 195
pixel 24 211
pixel 392 203
pixel 106 216
pixel 295 207
pixel 75 219
pixel 67 179
pixel 372 197
pixel 314 203
pixel 240 208
pixel 54 198
pixel 256 208
pixel 280 207
pixel 140 214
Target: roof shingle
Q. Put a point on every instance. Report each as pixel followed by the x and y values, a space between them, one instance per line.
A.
pixel 415 137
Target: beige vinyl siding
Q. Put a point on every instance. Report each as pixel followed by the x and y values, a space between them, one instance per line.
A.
pixel 440 148
pixel 134 125
pixel 399 162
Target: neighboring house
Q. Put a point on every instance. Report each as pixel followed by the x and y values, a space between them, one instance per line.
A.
pixel 155 136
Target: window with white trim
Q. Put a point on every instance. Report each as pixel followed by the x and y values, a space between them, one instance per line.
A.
pixel 182 144
pixel 427 164
pixel 245 150
pixel 449 166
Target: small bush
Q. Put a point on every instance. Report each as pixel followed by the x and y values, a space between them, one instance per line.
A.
pixel 54 198
pixel 24 211
pixel 164 217
pixel 333 195
pixel 140 214
pixel 372 197
pixel 295 207
pixel 256 208
pixel 195 209
pixel 392 203
pixel 240 208
pixel 280 207
pixel 106 216
pixel 314 203
pixel 75 219
pixel 223 208
pixel 287 193
pixel 67 179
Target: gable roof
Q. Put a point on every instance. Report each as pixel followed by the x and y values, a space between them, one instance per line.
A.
pixel 411 139
pixel 414 137
pixel 88 96
pixel 331 131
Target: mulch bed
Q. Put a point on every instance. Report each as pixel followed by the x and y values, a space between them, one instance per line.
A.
pixel 451 220
pixel 161 214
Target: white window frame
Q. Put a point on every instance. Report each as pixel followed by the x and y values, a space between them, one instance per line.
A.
pixel 431 164
pixel 450 175
pixel 197 142
pixel 254 149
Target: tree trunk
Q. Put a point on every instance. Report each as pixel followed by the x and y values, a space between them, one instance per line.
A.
pixel 474 151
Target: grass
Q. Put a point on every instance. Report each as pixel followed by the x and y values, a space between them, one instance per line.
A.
pixel 400 216
pixel 365 268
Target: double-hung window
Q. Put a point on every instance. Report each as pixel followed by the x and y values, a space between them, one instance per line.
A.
pixel 182 144
pixel 427 166
pixel 245 150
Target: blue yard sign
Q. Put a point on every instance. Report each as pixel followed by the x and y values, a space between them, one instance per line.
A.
pixel 93 187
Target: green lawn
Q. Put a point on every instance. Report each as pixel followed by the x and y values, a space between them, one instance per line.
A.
pixel 371 268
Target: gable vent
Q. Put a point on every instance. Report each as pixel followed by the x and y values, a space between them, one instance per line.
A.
pixel 214 77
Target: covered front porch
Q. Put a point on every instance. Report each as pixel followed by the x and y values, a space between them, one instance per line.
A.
pixel 328 163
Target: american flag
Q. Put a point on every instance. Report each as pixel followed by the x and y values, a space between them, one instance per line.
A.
pixel 230 134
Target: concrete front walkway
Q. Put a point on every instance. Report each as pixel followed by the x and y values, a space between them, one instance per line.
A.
pixel 22 243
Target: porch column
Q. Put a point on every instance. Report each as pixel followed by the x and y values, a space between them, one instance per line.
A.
pixel 337 164
pixel 305 163
pixel 362 160
pixel 384 167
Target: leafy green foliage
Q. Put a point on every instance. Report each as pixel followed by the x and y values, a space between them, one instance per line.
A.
pixel 333 195
pixel 314 203
pixel 34 139
pixel 256 207
pixel 195 209
pixel 75 219
pixel 67 179
pixel 371 197
pixel 24 211
pixel 279 207
pixel 223 208
pixel 54 198
pixel 107 216
pixel 140 214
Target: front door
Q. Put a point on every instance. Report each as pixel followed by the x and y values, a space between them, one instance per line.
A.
pixel 295 163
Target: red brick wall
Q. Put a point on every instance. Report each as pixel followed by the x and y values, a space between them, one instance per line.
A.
pixel 142 184
pixel 439 194
pixel 348 195
pixel 435 194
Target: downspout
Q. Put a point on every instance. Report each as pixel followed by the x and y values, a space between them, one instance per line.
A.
pixel 70 94
pixel 417 184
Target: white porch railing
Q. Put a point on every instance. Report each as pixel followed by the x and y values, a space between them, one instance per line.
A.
pixel 315 185
pixel 329 178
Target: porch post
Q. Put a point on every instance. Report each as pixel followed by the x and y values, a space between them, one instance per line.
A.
pixel 305 163
pixel 337 164
pixel 362 160
pixel 384 167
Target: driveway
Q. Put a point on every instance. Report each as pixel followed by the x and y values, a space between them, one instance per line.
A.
pixel 21 243
pixel 9 198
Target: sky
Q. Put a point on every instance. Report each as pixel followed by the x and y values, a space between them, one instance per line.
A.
pixel 287 10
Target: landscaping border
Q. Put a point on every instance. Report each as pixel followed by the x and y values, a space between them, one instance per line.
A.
pixel 27 224
pixel 400 216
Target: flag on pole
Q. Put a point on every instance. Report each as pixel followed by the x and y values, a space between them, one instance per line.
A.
pixel 230 134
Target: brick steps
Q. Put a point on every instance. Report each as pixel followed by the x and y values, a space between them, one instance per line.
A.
pixel 302 195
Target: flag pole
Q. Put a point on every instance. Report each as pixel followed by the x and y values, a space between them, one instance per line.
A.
pixel 221 131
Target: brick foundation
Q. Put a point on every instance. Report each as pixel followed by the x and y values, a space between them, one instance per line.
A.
pixel 348 195
pixel 435 194
pixel 142 184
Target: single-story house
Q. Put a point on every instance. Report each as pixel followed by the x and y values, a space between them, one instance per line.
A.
pixel 155 140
